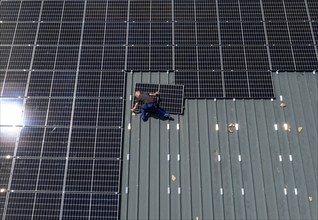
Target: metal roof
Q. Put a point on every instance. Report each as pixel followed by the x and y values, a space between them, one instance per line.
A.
pixel 197 167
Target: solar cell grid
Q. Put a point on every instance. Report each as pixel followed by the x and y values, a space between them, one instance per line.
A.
pixel 7 142
pixel 47 205
pixel 115 33
pixel 35 112
pixel 5 172
pixel 186 58
pixel 25 174
pixel 236 84
pixel 52 10
pixel 191 82
pixel 161 34
pixel 205 11
pixel 20 205
pixel 30 142
pixel 207 34
pixel 7 31
pixel 55 142
pixel 63 84
pixel 20 57
pixel 138 58
pixel 161 10
pixel 44 58
pixel 48 33
pixel 51 175
pixel 139 33
pixel 139 10
pixel 40 84
pixel 96 11
pixel 9 10
pixel 114 58
pixel 91 58
pixel 206 79
pixel 209 58
pixel 59 112
pixel 161 58
pixel 30 10
pixel 70 33
pixel 4 57
pixel 15 84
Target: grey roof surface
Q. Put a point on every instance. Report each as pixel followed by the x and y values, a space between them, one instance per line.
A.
pixel 259 186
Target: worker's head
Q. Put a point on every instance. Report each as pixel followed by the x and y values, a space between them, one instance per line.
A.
pixel 137 93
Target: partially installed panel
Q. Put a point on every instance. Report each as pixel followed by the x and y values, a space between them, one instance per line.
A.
pixel 170 98
pixel 62 90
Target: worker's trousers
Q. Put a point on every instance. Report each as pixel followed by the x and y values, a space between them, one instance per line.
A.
pixel 152 107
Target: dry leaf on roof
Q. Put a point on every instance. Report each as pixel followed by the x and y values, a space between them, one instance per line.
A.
pixel 310 198
pixel 282 104
pixel 300 129
pixel 173 178
pixel 231 125
pixel 289 129
pixel 230 130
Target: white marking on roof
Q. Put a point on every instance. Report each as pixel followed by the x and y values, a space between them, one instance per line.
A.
pixel 130 97
pixel 236 126
pixel 179 190
pixel 217 127
pixel 178 156
pixel 286 126
pixel 243 192
pixel 126 190
pixel 127 156
pixel 168 156
pixel 168 126
pixel 276 127
pixel 290 157
pixel 219 157
pixel 239 157
pixel 296 191
pixel 178 127
pixel 285 191
pixel 168 190
pixel 281 98
pixel 221 191
pixel 129 126
pixel 280 158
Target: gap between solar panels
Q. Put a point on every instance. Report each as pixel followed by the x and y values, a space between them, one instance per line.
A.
pixel 171 97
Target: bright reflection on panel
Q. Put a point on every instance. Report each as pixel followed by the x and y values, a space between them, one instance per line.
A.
pixel 10 113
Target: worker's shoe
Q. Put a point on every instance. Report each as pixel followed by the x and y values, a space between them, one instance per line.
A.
pixel 146 117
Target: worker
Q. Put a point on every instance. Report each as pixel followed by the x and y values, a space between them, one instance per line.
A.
pixel 149 104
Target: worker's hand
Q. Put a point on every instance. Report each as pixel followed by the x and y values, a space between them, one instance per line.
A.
pixel 132 109
pixel 157 93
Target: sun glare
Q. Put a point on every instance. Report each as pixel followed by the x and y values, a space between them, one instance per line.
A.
pixel 10 114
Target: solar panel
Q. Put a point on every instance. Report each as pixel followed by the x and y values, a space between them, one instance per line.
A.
pixel 170 98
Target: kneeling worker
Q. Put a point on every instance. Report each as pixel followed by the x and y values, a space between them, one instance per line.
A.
pixel 149 103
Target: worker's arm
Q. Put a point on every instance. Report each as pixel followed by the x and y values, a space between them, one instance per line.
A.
pixel 154 93
pixel 135 107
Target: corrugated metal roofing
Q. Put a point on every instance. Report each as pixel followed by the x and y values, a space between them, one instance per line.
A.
pixel 195 168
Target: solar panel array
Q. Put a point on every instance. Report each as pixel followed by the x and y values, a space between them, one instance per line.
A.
pixel 171 96
pixel 62 100
pixel 62 77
